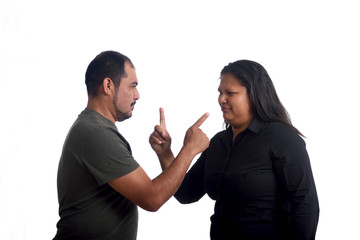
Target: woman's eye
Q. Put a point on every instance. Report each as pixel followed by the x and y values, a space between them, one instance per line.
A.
pixel 227 93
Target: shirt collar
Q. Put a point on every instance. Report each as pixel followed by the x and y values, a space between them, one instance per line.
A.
pixel 254 126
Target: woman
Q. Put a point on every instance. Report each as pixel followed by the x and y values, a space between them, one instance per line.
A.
pixel 257 170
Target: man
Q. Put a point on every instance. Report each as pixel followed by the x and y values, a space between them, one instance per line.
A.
pixel 100 184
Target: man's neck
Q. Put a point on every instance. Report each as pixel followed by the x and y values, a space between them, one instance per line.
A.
pixel 101 107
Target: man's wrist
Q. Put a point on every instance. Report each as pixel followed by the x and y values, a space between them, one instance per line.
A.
pixel 166 155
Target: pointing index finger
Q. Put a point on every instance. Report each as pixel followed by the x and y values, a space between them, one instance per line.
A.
pixel 201 120
pixel 162 118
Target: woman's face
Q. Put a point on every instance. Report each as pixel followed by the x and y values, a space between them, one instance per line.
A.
pixel 235 103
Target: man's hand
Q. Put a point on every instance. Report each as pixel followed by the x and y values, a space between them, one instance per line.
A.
pixel 195 139
pixel 160 139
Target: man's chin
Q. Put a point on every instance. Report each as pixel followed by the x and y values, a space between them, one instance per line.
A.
pixel 123 116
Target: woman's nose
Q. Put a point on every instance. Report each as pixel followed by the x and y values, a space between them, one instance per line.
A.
pixel 222 99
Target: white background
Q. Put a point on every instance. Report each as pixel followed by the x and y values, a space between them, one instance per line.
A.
pixel 310 49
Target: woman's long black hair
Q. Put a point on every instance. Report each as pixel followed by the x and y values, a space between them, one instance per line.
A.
pixel 260 88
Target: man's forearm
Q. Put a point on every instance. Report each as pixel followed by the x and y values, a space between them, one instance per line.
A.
pixel 171 178
pixel 166 159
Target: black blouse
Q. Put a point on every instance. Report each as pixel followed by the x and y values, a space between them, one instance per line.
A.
pixel 262 183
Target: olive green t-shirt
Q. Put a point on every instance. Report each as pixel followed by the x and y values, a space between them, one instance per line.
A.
pixel 93 154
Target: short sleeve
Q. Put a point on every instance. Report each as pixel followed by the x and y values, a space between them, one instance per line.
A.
pixel 107 156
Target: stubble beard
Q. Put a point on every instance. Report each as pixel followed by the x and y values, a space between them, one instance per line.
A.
pixel 120 116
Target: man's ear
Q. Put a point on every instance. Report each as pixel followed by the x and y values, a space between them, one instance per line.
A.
pixel 107 86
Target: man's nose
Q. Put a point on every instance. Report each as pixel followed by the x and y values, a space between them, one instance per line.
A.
pixel 137 95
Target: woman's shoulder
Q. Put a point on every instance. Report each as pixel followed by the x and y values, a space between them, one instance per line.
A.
pixel 279 127
pixel 283 133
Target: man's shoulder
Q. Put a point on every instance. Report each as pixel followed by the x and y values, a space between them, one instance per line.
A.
pixel 87 125
pixel 90 120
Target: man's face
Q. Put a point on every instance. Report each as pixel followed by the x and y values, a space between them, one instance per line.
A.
pixel 126 95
